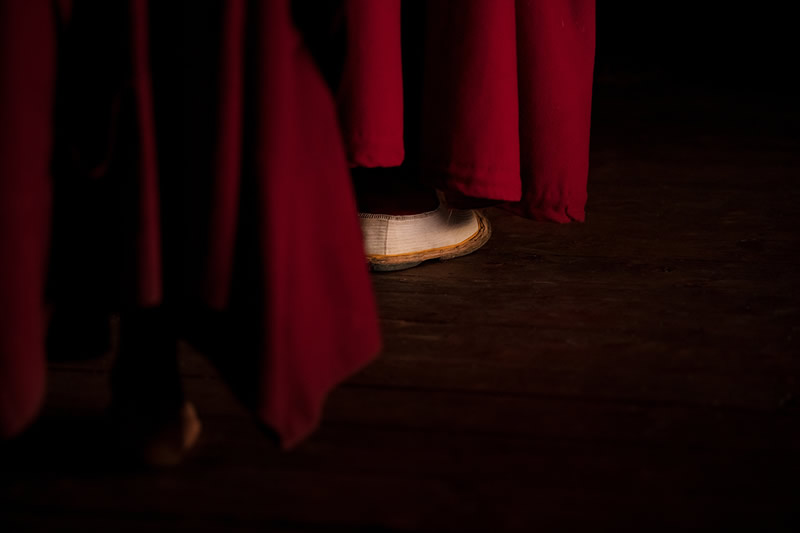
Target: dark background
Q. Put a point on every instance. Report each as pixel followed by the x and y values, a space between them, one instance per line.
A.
pixel 729 46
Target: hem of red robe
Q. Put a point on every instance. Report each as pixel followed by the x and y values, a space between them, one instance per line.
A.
pixel 23 405
pixel 293 430
pixel 373 153
pixel 506 187
pixel 560 213
pixel 476 182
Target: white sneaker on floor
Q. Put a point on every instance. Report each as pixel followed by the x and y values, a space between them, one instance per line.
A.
pixel 397 242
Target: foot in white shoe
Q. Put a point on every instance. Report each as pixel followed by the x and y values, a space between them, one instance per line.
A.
pixel 397 242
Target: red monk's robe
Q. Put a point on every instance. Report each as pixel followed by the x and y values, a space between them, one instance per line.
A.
pixel 86 112
pixel 500 100
pixel 248 181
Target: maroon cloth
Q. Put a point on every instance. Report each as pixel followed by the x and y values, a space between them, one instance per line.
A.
pixel 274 200
pixel 506 97
pixel 249 181
pixel 27 71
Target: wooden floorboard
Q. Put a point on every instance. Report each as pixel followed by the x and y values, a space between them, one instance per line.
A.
pixel 636 372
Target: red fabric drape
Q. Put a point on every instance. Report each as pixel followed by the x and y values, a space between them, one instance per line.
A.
pixel 149 279
pixel 27 71
pixel 320 323
pixel 371 89
pixel 311 298
pixel 506 98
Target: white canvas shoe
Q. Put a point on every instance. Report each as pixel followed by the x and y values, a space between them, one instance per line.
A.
pixel 397 242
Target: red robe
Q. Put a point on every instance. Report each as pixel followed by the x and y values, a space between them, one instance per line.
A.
pixel 505 97
pixel 252 183
pixel 276 152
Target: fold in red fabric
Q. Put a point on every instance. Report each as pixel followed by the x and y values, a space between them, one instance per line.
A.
pixel 320 322
pixel 264 190
pixel 193 159
pixel 506 97
pixel 370 95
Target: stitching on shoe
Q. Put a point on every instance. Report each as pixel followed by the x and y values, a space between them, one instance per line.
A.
pixel 400 217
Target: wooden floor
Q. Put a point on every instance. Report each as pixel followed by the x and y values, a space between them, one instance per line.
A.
pixel 637 372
